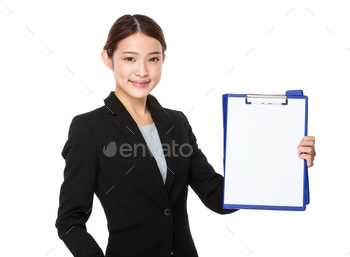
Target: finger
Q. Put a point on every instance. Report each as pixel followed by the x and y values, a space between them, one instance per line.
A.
pixel 305 153
pixel 308 158
pixel 309 138
pixel 307 150
pixel 306 143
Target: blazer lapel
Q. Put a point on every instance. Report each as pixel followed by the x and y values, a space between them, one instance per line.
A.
pixel 128 127
pixel 164 127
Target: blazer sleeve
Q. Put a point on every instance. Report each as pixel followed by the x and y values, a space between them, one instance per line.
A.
pixel 204 180
pixel 77 190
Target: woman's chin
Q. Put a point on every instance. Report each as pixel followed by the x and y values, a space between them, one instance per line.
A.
pixel 139 94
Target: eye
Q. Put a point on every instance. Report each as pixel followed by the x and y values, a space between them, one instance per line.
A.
pixel 155 58
pixel 127 58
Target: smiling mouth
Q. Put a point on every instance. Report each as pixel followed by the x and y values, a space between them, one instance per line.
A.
pixel 139 84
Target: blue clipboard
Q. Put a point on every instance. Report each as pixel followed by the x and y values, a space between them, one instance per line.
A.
pixel 248 185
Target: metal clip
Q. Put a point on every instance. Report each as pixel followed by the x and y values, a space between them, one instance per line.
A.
pixel 273 99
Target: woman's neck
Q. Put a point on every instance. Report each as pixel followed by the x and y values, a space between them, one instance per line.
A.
pixel 135 106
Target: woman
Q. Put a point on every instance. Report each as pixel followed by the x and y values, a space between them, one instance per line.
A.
pixel 113 151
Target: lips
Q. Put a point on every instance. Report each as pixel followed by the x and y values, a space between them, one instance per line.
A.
pixel 139 83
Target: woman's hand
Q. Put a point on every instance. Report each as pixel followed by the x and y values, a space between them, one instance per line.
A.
pixel 306 150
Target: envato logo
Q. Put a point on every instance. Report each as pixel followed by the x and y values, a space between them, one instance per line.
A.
pixel 127 150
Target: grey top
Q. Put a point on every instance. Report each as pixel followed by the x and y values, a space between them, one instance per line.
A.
pixel 151 136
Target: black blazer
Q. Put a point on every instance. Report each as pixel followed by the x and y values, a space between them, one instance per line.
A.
pixel 144 216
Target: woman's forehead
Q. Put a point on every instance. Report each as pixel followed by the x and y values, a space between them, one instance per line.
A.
pixel 139 44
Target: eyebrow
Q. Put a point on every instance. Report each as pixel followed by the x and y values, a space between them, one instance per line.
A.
pixel 129 52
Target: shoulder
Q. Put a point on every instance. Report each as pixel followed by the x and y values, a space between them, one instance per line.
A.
pixel 176 116
pixel 91 117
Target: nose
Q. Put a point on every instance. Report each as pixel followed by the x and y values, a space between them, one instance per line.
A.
pixel 141 69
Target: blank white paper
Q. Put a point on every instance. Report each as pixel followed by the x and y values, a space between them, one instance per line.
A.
pixel 261 164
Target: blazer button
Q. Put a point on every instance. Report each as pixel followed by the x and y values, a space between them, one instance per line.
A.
pixel 167 211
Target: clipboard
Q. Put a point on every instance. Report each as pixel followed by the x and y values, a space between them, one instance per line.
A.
pixel 261 166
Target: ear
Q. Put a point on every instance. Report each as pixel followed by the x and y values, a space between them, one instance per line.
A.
pixel 164 58
pixel 106 60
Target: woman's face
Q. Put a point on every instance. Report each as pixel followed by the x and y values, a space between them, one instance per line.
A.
pixel 137 65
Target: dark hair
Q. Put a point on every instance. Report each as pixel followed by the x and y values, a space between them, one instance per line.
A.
pixel 128 25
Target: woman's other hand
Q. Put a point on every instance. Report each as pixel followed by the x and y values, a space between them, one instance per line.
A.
pixel 306 150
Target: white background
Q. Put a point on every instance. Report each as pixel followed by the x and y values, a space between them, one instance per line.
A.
pixel 51 70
